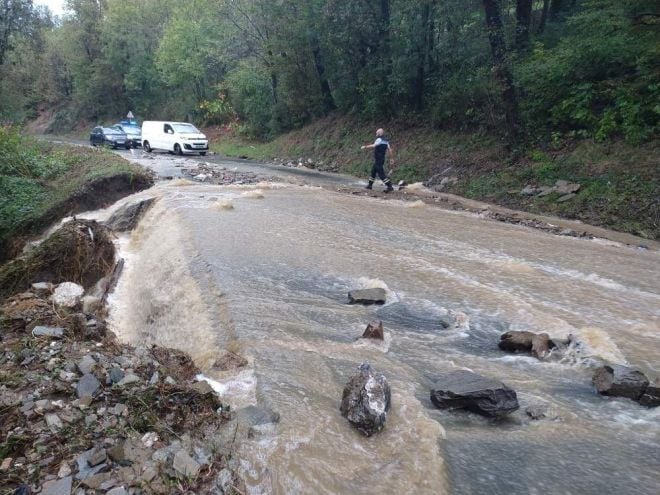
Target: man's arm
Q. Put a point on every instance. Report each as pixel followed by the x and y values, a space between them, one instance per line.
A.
pixel 368 147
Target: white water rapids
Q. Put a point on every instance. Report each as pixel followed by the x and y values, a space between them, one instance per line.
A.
pixel 266 273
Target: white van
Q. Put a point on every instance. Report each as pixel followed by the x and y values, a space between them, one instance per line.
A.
pixel 177 137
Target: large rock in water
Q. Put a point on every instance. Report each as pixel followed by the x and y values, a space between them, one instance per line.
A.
pixel 374 330
pixel 127 217
pixel 367 296
pixel 466 390
pixel 516 341
pixel 620 381
pixel 366 400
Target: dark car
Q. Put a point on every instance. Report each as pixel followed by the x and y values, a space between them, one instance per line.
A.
pixel 109 136
pixel 133 133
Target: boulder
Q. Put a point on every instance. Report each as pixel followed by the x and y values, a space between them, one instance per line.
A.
pixel 466 390
pixel 127 217
pixel 516 341
pixel 620 381
pixel 529 190
pixel 366 400
pixel 541 345
pixel 367 296
pixel 651 396
pixel 68 294
pixel 374 330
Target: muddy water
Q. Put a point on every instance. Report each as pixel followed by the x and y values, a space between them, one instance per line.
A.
pixel 266 274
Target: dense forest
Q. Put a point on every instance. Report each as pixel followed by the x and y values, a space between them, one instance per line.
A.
pixel 530 70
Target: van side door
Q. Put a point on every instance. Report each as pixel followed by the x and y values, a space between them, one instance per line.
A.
pixel 168 137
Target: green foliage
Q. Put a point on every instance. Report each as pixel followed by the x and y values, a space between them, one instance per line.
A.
pixel 251 96
pixel 601 78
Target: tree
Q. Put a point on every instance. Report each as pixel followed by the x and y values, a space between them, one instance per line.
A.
pixel 523 23
pixel 15 17
pixel 502 71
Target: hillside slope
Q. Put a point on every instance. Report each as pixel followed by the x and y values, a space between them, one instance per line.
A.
pixel 619 183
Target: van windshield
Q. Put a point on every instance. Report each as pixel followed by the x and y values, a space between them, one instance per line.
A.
pixel 185 128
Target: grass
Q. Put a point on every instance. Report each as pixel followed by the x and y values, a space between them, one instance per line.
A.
pixel 41 182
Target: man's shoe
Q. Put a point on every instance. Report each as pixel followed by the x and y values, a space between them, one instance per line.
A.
pixel 389 188
pixel 368 187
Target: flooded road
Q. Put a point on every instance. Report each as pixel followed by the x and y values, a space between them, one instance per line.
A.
pixel 264 270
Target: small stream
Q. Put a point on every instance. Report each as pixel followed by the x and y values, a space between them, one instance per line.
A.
pixel 264 271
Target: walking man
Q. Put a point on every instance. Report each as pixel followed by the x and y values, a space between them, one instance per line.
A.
pixel 381 148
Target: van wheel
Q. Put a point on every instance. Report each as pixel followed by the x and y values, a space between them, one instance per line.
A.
pixel 177 149
pixel 147 147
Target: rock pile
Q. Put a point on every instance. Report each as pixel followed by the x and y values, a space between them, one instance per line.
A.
pixel 212 174
pixel 623 381
pixel 77 409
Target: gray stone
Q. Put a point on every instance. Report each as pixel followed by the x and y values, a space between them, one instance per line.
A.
pixel 185 465
pixel 366 400
pixel 620 381
pixel 466 390
pixel 154 378
pixel 120 490
pixel 565 187
pixel 54 332
pixel 67 294
pixel 42 287
pixel 84 469
pixel 566 197
pixel 537 412
pixel 127 217
pixel 253 416
pixel 203 388
pixel 87 385
pixel 58 487
pixel 545 191
pixel 367 296
pixel 91 304
pixel 97 456
pixel 53 421
pixel 86 364
pixel 529 190
pixel 115 375
pixel 374 330
pixel 129 379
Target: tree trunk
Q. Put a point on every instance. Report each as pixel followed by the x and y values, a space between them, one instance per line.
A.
pixel 523 22
pixel 556 7
pixel 385 55
pixel 328 100
pixel 502 72
pixel 423 58
pixel 544 17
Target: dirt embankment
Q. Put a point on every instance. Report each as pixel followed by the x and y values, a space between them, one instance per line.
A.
pixel 619 182
pixel 79 410
pixel 45 182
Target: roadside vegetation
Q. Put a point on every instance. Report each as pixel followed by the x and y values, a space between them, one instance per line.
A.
pixel 42 182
